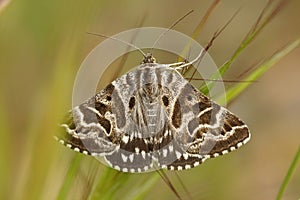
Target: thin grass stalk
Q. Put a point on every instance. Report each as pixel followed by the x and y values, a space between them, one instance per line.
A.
pixel 234 91
pixel 259 25
pixel 289 174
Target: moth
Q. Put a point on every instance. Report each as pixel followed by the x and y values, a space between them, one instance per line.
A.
pixel 152 118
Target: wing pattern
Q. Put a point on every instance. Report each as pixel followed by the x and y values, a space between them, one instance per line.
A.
pixel 152 118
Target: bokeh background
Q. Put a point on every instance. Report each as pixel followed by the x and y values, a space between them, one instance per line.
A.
pixel 42 44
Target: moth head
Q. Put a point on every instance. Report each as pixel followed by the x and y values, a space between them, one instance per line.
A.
pixel 148 58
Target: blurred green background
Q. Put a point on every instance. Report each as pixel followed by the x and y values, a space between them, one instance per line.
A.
pixel 42 44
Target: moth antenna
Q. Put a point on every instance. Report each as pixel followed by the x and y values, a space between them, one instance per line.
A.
pixel 226 81
pixel 172 26
pixel 210 43
pixel 116 39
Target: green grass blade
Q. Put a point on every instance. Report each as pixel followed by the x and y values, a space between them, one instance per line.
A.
pixel 259 25
pixel 69 179
pixel 109 182
pixel 234 91
pixel 143 190
pixel 288 175
pixel 115 185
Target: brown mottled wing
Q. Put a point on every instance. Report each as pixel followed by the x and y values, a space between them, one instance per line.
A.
pixel 211 130
pixel 151 118
pixel 86 128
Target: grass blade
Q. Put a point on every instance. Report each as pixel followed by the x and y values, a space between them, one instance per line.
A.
pixel 143 190
pixel 109 182
pixel 199 28
pixel 259 25
pixel 69 180
pixel 288 175
pixel 234 91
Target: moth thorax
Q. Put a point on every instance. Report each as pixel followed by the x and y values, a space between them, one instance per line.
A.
pixel 150 92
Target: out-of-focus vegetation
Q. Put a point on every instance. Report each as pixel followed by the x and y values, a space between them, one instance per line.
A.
pixel 42 44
